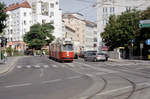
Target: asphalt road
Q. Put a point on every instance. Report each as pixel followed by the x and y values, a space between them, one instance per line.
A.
pixel 42 78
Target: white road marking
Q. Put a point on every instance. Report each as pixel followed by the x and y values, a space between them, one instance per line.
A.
pixel 19 67
pixel 37 66
pixel 123 88
pixel 51 81
pixel 55 66
pixel 28 66
pixel 18 85
pixel 45 66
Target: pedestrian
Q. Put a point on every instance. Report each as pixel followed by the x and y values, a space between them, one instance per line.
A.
pixel 5 57
pixel 41 54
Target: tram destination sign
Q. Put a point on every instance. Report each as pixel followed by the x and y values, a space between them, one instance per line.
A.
pixel 144 23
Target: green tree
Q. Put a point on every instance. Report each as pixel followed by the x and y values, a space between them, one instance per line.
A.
pixel 3 17
pixel 121 29
pixel 36 38
pixel 144 32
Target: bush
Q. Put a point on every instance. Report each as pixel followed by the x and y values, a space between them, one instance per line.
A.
pixel 2 54
pixel 18 53
pixel 9 51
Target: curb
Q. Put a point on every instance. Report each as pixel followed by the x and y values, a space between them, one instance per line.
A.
pixel 10 66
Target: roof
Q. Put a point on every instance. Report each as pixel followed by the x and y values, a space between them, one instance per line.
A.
pixel 14 6
pixel 69 15
pixel 67 27
pixel 89 23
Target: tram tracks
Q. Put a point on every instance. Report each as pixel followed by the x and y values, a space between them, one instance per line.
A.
pixel 102 92
pixel 125 91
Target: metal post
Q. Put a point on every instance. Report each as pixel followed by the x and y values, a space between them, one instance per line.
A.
pixel 141 54
pixel 141 47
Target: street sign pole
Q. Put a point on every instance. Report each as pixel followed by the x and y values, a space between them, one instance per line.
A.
pixel 141 47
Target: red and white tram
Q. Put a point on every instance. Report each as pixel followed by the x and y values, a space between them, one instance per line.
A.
pixel 61 50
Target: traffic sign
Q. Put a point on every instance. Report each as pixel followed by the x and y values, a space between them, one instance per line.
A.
pixel 144 23
pixel 148 42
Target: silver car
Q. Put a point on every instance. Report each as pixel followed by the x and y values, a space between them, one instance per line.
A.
pixel 94 56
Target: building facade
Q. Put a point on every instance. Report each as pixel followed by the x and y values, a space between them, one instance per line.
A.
pixel 18 23
pixel 72 21
pixel 85 32
pixel 105 8
pixel 27 13
pixel 47 11
pixel 90 36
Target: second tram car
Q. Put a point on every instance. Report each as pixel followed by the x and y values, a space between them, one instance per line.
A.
pixel 61 50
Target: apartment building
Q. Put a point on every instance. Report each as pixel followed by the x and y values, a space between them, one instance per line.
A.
pixel 45 11
pixel 27 13
pixel 90 36
pixel 18 23
pixel 105 8
pixel 85 32
pixel 73 21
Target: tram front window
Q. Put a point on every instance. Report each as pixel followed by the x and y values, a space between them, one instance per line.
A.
pixel 68 47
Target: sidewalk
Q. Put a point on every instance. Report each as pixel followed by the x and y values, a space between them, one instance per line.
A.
pixel 6 67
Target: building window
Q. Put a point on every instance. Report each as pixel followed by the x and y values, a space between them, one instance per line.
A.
pixel 51 14
pixel 128 8
pixel 25 22
pixel 112 10
pixel 52 5
pixel 95 39
pixel 25 13
pixel 105 10
pixel 43 21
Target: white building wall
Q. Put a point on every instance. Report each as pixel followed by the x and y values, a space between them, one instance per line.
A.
pixel 107 7
pixel 18 24
pixel 54 14
pixel 89 36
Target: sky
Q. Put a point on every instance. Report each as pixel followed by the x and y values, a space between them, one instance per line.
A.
pixel 81 6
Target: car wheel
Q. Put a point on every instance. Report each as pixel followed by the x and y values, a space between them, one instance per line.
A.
pixel 95 60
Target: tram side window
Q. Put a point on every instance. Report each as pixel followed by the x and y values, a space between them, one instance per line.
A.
pixel 68 47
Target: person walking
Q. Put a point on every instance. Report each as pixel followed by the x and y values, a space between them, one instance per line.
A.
pixel 5 57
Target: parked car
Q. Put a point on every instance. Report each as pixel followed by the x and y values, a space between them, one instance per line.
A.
pixel 94 56
pixel 82 54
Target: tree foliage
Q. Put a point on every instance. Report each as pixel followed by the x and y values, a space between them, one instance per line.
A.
pixel 144 32
pixel 3 17
pixel 121 29
pixel 39 35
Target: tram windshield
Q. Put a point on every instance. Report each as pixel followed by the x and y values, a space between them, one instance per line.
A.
pixel 68 47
